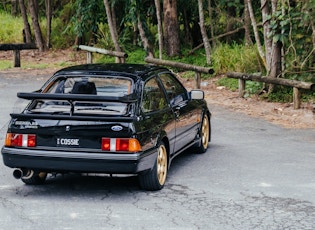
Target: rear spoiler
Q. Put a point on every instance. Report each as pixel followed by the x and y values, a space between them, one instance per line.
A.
pixel 72 98
pixel 73 117
pixel 76 97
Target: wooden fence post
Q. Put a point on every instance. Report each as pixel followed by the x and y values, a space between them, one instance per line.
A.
pixel 197 79
pixel 17 58
pixel 89 57
pixel 296 98
pixel 241 87
pixel 16 48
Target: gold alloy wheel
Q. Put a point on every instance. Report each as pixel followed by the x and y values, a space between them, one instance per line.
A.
pixel 205 132
pixel 162 164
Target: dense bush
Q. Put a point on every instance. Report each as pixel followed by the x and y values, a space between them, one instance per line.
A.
pixel 11 28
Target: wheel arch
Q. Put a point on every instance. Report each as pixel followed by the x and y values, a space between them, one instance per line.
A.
pixel 207 112
pixel 163 138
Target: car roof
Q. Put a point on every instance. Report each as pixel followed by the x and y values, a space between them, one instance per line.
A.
pixel 132 70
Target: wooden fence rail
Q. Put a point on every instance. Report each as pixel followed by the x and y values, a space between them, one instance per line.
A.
pixel 198 69
pixel 16 48
pixel 120 56
pixel 296 85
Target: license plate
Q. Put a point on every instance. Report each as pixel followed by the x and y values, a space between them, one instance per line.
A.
pixel 71 142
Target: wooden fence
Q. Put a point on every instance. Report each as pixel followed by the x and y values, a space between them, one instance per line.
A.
pixel 16 48
pixel 120 56
pixel 296 85
pixel 198 69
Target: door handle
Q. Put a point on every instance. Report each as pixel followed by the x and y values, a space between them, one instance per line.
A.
pixel 177 111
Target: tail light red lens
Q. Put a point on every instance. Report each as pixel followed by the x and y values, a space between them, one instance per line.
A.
pixel 120 145
pixel 31 140
pixel 20 140
pixel 106 144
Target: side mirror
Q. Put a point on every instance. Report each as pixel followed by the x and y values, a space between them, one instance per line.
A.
pixel 197 94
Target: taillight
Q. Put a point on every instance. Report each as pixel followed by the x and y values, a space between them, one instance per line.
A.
pixel 20 140
pixel 120 144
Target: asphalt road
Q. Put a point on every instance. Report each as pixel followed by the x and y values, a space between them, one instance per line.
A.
pixel 255 175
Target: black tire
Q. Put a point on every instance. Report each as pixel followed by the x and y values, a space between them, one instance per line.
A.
pixel 205 132
pixel 36 178
pixel 155 179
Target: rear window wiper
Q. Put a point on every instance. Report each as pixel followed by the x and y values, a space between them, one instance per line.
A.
pixel 98 108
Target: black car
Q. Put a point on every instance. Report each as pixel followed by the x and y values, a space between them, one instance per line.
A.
pixel 106 118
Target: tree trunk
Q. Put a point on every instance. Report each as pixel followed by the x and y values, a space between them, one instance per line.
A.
pixel 14 7
pixel 247 22
pixel 204 32
pixel 255 29
pixel 313 33
pixel 160 32
pixel 187 21
pixel 27 36
pixel 266 12
pixel 48 18
pixel 273 49
pixel 210 9
pixel 146 44
pixel 135 33
pixel 37 31
pixel 113 20
pixel 113 31
pixel 171 33
pixel 275 65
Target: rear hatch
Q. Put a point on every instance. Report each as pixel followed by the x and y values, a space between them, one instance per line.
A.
pixel 76 112
pixel 68 134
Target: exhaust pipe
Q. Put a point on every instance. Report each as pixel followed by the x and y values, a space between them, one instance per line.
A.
pixel 23 173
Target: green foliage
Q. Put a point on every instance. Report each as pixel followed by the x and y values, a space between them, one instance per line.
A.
pixel 229 83
pixel 103 37
pixel 291 25
pixel 279 26
pixel 87 17
pixel 6 64
pixel 236 58
pixel 63 33
pixel 281 94
pixel 251 88
pixel 61 36
pixel 10 28
pixel 136 56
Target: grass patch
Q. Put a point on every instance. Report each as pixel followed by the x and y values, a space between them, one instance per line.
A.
pixel 236 58
pixel 229 83
pixel 281 94
pixel 11 28
pixel 4 64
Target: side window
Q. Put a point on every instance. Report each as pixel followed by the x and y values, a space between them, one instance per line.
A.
pixel 153 98
pixel 176 93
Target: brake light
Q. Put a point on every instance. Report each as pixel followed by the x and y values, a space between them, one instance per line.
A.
pixel 120 144
pixel 20 140
pixel 106 144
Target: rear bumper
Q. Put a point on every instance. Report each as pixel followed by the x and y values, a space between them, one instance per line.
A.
pixel 70 161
